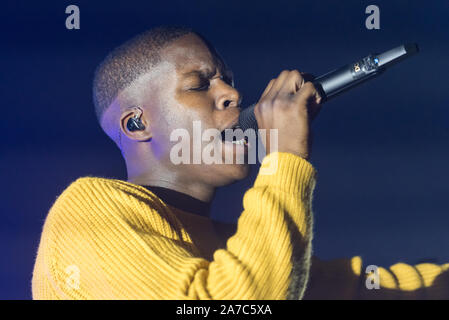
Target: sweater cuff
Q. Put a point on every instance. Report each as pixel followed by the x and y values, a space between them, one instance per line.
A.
pixel 287 172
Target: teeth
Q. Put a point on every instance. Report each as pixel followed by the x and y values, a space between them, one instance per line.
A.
pixel 243 141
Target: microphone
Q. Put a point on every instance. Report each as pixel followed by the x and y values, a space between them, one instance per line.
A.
pixel 340 80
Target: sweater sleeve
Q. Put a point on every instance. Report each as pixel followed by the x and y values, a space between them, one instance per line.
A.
pixel 89 251
pixel 348 278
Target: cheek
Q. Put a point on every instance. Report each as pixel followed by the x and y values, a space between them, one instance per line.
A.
pixel 194 101
pixel 171 122
pixel 180 111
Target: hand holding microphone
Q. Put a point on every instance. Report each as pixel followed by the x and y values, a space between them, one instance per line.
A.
pixel 288 104
pixel 288 107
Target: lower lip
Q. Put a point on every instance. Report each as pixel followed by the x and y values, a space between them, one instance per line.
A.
pixel 237 149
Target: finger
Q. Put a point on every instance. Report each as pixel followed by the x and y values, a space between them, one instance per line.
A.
pixel 314 110
pixel 311 98
pixel 308 76
pixel 292 83
pixel 307 94
pixel 270 84
pixel 277 84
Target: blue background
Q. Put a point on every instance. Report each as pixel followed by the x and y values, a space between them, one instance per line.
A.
pixel 381 150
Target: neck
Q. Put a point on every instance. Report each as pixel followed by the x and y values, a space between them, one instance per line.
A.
pixel 160 177
pixel 195 191
pixel 146 170
pixel 181 201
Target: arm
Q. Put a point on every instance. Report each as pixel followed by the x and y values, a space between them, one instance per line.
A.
pixel 346 279
pixel 90 250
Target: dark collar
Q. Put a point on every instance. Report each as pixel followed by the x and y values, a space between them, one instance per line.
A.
pixel 181 201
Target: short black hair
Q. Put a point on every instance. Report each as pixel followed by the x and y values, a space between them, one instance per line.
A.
pixel 130 60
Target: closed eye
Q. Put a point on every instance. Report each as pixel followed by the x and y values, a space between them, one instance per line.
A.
pixel 206 83
pixel 202 88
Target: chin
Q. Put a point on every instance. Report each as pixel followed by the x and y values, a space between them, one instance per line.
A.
pixel 241 171
pixel 230 173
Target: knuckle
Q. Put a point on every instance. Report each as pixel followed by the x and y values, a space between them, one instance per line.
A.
pixel 296 76
pixel 291 104
pixel 282 103
pixel 296 73
pixel 277 103
pixel 265 104
pixel 309 86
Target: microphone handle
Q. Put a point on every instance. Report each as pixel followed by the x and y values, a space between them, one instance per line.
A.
pixel 328 85
pixel 340 80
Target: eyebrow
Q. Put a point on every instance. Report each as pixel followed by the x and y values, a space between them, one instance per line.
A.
pixel 205 73
pixel 208 74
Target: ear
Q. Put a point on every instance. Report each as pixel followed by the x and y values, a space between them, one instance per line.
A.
pixel 137 135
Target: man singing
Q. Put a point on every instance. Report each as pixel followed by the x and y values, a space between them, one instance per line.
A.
pixel 151 237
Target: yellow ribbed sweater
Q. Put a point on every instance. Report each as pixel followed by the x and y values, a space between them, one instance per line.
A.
pixel 111 239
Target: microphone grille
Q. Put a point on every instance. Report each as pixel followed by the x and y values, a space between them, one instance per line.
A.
pixel 247 119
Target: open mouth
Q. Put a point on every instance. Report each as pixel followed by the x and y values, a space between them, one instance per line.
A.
pixel 234 135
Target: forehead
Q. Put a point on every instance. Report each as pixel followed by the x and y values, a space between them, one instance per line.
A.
pixel 189 53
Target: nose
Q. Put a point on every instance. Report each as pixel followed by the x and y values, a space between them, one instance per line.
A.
pixel 227 97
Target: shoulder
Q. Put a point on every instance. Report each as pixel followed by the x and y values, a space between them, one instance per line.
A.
pixel 84 194
pixel 104 203
pixel 92 186
pixel 81 203
pixel 95 192
pixel 92 211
